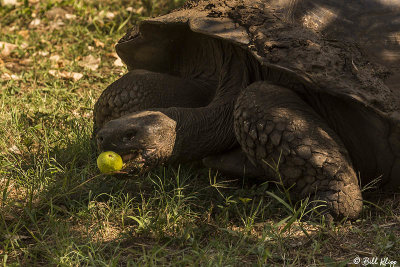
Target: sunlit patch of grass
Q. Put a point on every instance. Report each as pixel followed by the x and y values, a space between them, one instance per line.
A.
pixel 56 209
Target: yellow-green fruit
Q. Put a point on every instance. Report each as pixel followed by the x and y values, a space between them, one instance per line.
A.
pixel 109 161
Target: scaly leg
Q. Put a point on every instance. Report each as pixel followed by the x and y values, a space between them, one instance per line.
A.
pixel 273 124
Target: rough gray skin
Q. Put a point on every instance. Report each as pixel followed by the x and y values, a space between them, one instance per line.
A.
pixel 250 85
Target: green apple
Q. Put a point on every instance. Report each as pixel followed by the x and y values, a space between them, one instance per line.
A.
pixel 109 161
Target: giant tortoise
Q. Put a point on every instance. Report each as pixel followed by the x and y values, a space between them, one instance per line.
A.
pixel 307 89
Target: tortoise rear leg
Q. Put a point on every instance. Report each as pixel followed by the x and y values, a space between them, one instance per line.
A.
pixel 141 89
pixel 273 124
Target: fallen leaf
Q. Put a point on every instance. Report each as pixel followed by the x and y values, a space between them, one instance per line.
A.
pixel 14 149
pixel 110 15
pixel 70 16
pixel 113 54
pixel 24 45
pixel 9 77
pixel 56 12
pixel 24 33
pixel 55 58
pixel 34 23
pixel 25 61
pixel 57 61
pixel 90 62
pixel 7 48
pixel 98 43
pixel 139 10
pixel 13 67
pixel 43 53
pixel 56 25
pixel 72 75
pixel 44 41
pixel 53 73
pixel 107 14
pixel 69 75
pixel 118 63
pixel 12 28
pixel 10 2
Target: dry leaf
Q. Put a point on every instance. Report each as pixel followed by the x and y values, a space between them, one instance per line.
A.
pixel 139 10
pixel 14 149
pixel 55 58
pixel 98 43
pixel 7 48
pixel 12 28
pixel 44 41
pixel 75 76
pixel 110 15
pixel 53 73
pixel 13 66
pixel 107 14
pixel 9 77
pixel 70 16
pixel 58 61
pixel 24 45
pixel 25 61
pixel 56 24
pixel 90 62
pixel 113 54
pixel 56 12
pixel 34 23
pixel 9 2
pixel 118 63
pixel 43 53
pixel 24 33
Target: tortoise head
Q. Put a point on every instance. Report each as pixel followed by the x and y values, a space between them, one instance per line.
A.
pixel 143 139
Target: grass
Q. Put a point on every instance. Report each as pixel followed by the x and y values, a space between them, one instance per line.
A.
pixel 56 209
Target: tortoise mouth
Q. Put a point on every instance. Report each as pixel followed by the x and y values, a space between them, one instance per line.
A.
pixel 138 161
pixel 134 156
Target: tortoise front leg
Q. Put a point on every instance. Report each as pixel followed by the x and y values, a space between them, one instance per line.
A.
pixel 234 163
pixel 274 125
pixel 141 89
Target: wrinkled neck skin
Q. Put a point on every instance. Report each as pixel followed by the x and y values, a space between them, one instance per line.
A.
pixel 201 131
pixel 209 130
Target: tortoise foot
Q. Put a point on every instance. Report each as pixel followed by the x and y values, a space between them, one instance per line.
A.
pixel 282 134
